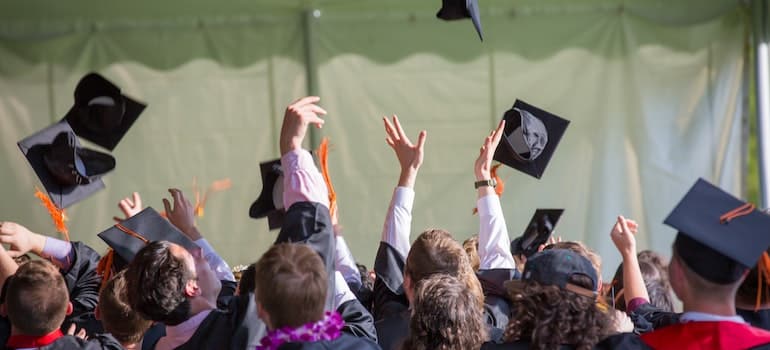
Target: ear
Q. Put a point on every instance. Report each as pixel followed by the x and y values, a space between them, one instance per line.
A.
pixel 264 316
pixel 191 289
pixel 69 308
pixel 97 313
pixel 408 288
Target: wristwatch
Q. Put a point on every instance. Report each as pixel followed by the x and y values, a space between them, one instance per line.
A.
pixel 491 183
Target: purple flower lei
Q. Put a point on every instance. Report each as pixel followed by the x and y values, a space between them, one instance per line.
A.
pixel 328 328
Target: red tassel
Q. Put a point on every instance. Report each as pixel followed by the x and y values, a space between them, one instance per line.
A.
pixel 57 214
pixel 323 155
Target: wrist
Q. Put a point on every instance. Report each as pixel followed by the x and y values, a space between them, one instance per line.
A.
pixel 483 176
pixel 629 254
pixel 193 233
pixel 38 243
pixel 407 178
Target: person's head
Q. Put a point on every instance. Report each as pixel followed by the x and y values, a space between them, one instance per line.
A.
pixel 435 251
pixel 656 260
pixel 556 303
pixel 700 273
pixel 583 250
pixel 445 315
pixel 166 283
pixel 291 286
pixel 247 284
pixel 36 299
pixel 655 280
pixel 118 318
pixel 471 246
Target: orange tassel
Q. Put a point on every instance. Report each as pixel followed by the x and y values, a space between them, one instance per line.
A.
pixel 104 268
pixel 499 188
pixel 763 276
pixel 57 215
pixel 216 186
pixel 323 155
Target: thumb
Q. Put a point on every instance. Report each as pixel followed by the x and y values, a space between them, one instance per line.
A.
pixel 14 253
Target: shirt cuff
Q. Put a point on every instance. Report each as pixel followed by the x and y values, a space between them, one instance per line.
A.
pixel 403 197
pixel 302 182
pixel 345 263
pixel 398 220
pixel 342 291
pixel 635 303
pixel 58 252
pixel 219 265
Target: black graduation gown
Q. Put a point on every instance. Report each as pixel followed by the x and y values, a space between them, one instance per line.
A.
pixel 759 318
pixel 391 308
pixel 344 342
pixel 648 317
pixel 98 342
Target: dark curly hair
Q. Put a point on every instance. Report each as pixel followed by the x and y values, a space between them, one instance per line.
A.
pixel 549 317
pixel 445 315
pixel 156 281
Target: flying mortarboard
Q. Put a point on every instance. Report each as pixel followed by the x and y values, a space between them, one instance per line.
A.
pixel 460 9
pixel 530 138
pixel 537 233
pixel 720 236
pixel 129 236
pixel 68 172
pixel 270 201
pixel 101 113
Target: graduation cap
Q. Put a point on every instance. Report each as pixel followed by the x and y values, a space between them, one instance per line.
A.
pixel 129 236
pixel 530 138
pixel 101 113
pixel 68 172
pixel 537 233
pixel 720 236
pixel 270 201
pixel 460 9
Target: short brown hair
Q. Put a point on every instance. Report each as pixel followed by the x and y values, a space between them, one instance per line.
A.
pixel 435 251
pixel 445 315
pixel 291 285
pixel 36 298
pixel 118 318
pixel 471 246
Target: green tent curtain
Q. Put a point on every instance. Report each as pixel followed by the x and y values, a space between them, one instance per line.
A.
pixel 654 90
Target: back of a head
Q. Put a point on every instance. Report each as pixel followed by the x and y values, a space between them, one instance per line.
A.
pixel 247 284
pixel 445 315
pixel 471 246
pixel 655 281
pixel 291 285
pixel 127 326
pixel 583 250
pixel 36 298
pixel 156 281
pixel 435 251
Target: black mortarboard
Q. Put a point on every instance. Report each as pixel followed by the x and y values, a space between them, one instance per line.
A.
pixel 530 138
pixel 270 201
pixel 537 233
pixel 460 9
pixel 68 172
pixel 129 236
pixel 101 114
pixel 720 236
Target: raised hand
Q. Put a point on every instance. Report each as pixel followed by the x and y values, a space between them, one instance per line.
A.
pixel 483 164
pixel 296 119
pixel 622 235
pixel 182 215
pixel 129 206
pixel 410 156
pixel 20 239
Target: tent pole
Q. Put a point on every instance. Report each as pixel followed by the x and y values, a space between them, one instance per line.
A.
pixel 309 16
pixel 760 11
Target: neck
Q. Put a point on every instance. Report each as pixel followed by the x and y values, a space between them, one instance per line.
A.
pixel 131 346
pixel 719 307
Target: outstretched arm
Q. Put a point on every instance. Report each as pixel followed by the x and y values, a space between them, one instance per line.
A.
pixel 634 290
pixel 494 244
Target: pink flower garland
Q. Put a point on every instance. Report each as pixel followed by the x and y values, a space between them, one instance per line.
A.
pixel 328 328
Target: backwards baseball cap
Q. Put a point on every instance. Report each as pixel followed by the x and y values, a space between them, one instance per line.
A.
pixel 555 267
pixel 530 138
pixel 719 236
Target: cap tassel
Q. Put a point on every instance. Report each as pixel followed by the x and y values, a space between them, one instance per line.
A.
pixel 745 209
pixel 104 268
pixel 57 214
pixel 216 186
pixel 763 278
pixel 323 155
pixel 499 188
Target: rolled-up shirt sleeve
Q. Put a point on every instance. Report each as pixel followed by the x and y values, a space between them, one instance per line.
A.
pixel 398 220
pixel 345 263
pixel 219 265
pixel 494 244
pixel 302 182
pixel 59 252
